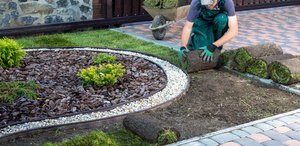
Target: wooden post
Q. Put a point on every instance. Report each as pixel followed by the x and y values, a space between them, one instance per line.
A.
pixel 109 10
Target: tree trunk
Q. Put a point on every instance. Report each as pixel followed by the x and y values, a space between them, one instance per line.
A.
pixel 147 127
pixel 285 71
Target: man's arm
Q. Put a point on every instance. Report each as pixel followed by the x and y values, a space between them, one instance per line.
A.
pixel 231 32
pixel 186 33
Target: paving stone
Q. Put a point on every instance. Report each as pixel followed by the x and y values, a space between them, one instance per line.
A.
pixel 272 143
pixel 264 126
pixel 209 142
pixel 276 136
pixel 224 137
pixel 195 143
pixel 276 123
pixel 251 130
pixel 282 129
pixel 289 119
pixel 294 126
pixel 247 142
pixel 292 143
pixel 229 144
pixel 240 133
pixel 293 135
pixel 259 137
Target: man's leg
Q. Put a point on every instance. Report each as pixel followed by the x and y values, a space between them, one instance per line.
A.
pixel 220 26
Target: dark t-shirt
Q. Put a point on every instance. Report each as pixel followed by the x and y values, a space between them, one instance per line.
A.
pixel 195 9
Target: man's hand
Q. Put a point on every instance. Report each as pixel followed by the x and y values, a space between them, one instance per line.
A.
pixel 208 52
pixel 181 53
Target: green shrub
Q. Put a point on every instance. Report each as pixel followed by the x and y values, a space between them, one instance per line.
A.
pixel 103 75
pixel 167 136
pixel 94 138
pixel 11 53
pixel 104 58
pixel 10 91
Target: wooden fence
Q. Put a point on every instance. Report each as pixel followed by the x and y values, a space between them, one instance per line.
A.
pixel 124 8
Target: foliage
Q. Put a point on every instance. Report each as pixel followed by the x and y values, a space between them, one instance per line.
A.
pixel 104 58
pixel 103 75
pixel 242 58
pixel 167 4
pixel 259 68
pixel 94 138
pixel 10 91
pixel 167 136
pixel 11 53
pixel 124 137
pixel 280 73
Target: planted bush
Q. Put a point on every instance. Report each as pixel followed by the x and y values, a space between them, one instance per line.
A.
pixel 11 53
pixel 102 75
pixel 104 58
pixel 94 138
pixel 10 91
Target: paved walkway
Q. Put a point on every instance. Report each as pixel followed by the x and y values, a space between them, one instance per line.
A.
pixel 280 25
pixel 279 130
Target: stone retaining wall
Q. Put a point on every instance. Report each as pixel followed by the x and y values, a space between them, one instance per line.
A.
pixel 15 13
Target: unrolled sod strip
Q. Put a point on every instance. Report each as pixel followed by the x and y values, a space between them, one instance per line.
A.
pixel 285 71
pixel 177 84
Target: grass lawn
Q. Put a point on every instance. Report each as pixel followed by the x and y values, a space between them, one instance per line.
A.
pixel 100 38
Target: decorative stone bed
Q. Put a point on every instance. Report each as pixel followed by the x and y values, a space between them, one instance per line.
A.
pixel 176 85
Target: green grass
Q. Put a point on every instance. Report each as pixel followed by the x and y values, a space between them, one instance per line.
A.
pixel 100 38
pixel 120 137
pixel 10 91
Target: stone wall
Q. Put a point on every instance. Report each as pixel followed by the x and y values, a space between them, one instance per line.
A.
pixel 14 13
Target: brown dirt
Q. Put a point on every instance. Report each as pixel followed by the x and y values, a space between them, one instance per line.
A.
pixel 215 100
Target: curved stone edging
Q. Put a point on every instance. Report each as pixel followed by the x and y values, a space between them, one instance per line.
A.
pixel 177 84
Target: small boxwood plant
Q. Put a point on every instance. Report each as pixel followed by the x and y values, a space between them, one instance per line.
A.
pixel 104 58
pixel 94 138
pixel 10 91
pixel 102 75
pixel 11 53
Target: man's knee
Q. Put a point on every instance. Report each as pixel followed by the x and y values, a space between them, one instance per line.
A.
pixel 221 20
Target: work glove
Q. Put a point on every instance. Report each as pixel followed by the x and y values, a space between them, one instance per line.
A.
pixel 181 54
pixel 208 52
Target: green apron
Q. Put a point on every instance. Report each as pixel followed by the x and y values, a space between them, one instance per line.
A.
pixel 208 27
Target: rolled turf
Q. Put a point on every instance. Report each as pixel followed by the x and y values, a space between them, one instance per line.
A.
pixel 167 4
pixel 285 71
pixel 259 67
pixel 153 3
pixel 245 55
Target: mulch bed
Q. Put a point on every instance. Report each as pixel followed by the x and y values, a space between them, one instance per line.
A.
pixel 61 92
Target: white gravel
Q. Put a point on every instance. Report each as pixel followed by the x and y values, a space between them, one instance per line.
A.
pixel 176 85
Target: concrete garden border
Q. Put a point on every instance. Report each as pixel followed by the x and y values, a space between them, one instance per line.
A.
pixel 177 85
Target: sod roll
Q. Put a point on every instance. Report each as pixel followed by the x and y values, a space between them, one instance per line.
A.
pixel 259 67
pixel 153 3
pixel 195 62
pixel 149 128
pixel 167 4
pixel 285 71
pixel 227 59
pixel 245 55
